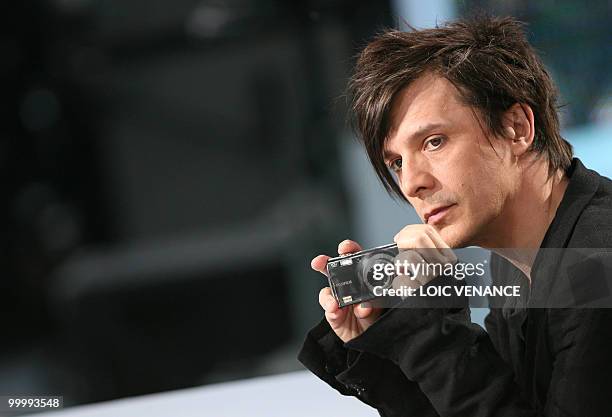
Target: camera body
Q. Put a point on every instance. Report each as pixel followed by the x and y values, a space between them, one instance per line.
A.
pixel 353 276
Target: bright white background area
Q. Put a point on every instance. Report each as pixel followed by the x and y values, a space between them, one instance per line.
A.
pixel 296 394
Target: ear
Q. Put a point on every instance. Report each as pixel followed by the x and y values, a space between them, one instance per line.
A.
pixel 518 126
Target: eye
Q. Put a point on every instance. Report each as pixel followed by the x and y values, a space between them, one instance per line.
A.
pixel 396 165
pixel 434 143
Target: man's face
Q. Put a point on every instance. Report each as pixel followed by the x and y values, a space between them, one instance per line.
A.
pixel 457 180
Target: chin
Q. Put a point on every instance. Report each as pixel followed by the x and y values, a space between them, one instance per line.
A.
pixel 455 236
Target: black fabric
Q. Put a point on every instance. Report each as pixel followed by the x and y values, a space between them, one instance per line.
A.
pixel 529 362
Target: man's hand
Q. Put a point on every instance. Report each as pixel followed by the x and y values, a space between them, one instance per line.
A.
pixel 350 321
pixel 421 244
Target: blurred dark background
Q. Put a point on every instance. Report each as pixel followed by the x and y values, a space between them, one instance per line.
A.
pixel 166 166
pixel 170 168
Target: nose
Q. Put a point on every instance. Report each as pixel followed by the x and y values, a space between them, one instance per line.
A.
pixel 417 180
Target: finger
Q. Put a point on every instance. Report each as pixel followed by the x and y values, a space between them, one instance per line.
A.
pixel 426 241
pixel 327 300
pixel 363 310
pixel 319 263
pixel 405 281
pixel 407 275
pixel 416 273
pixel 437 255
pixel 433 249
pixel 444 251
pixel 367 314
pixel 407 259
pixel 348 246
pixel 334 315
pixel 337 318
pixel 413 237
pixel 436 238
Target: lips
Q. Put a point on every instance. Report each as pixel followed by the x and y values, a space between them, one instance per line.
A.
pixel 435 216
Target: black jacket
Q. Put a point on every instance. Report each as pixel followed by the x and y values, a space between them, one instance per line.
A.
pixel 529 362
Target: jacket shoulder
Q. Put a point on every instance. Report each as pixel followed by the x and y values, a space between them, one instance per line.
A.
pixel 594 226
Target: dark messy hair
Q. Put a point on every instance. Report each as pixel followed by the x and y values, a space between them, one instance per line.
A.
pixel 489 61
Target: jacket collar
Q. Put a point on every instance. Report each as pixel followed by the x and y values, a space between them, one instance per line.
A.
pixel 581 188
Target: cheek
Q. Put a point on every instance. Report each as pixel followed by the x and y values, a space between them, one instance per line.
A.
pixel 479 197
pixel 483 178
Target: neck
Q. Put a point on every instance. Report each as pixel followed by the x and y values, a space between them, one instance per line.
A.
pixel 527 215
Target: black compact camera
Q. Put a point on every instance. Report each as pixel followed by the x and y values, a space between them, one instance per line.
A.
pixel 353 277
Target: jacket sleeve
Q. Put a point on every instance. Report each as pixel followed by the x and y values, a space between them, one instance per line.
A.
pixel 452 360
pixel 374 380
pixel 581 340
pixel 457 367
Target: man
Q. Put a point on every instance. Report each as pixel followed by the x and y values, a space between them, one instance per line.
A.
pixel 461 122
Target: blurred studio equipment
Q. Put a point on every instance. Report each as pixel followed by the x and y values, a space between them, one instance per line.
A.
pixel 168 167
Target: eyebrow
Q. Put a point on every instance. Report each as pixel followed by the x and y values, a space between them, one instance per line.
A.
pixel 421 131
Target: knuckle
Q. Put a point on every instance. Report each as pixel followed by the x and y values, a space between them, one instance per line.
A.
pixel 408 242
pixel 344 243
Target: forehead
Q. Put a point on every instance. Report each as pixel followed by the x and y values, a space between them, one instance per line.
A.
pixel 429 100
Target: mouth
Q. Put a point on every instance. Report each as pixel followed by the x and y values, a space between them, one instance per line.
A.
pixel 436 215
